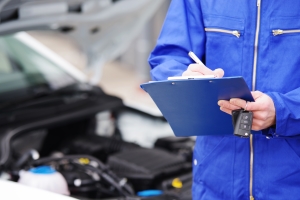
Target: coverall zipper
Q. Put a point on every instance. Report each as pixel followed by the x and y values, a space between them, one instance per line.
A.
pixel 253 89
pixel 234 32
pixel 280 32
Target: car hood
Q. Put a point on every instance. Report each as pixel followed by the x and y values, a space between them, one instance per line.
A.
pixel 102 28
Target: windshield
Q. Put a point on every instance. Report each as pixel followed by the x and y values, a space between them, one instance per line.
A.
pixel 24 72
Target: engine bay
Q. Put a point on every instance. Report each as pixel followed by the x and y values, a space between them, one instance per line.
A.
pixel 93 166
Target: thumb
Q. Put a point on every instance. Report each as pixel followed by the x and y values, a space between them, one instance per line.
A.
pixel 219 73
pixel 256 94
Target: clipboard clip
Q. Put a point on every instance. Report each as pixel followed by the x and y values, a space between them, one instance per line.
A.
pixel 242 122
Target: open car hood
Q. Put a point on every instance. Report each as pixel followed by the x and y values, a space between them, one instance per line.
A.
pixel 102 28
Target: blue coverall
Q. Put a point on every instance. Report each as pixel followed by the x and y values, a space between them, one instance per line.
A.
pixel 259 40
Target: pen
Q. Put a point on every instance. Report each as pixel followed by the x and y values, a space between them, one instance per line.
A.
pixel 198 61
pixel 195 58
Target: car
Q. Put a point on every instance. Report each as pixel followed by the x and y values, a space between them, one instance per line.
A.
pixel 50 112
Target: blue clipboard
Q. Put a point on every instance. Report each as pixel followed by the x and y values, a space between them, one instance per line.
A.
pixel 190 106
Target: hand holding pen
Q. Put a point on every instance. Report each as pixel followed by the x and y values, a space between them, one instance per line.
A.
pixel 199 69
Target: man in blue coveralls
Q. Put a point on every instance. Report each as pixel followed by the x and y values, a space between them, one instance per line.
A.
pixel 259 40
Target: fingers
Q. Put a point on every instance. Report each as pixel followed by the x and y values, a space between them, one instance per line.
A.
pixel 191 73
pixel 251 106
pixel 228 111
pixel 240 103
pixel 256 94
pixel 264 112
pixel 259 118
pixel 257 124
pixel 261 115
pixel 200 68
pixel 227 105
pixel 219 72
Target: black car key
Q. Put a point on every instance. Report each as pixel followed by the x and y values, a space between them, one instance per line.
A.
pixel 242 122
pixel 235 114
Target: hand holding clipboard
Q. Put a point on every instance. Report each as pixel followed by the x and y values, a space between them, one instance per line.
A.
pixel 190 106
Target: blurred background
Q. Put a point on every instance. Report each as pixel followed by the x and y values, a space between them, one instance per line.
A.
pixel 112 51
pixel 125 67
pixel 73 118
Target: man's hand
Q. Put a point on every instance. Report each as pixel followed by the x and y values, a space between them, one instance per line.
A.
pixel 263 109
pixel 200 69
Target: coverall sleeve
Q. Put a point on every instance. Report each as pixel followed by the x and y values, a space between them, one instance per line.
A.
pixel 183 31
pixel 287 114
